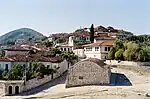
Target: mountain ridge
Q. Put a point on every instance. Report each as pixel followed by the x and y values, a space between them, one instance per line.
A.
pixel 21 33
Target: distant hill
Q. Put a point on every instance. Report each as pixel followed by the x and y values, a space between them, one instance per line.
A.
pixel 23 33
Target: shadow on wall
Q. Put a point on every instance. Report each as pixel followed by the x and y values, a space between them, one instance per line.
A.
pixel 59 80
pixel 118 79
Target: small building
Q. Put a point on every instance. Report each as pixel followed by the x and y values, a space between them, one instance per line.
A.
pixel 88 72
pixel 67 47
pixel 98 50
pixel 79 52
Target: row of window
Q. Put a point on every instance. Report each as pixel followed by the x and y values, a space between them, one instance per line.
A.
pixel 97 49
pixel 65 49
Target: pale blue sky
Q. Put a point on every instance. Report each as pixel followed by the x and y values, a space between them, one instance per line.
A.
pixel 50 16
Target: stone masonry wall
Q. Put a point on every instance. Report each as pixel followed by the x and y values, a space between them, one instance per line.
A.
pixel 87 73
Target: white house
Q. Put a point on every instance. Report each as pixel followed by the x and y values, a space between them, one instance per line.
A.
pixel 98 50
pixel 6 63
pixel 67 47
pixel 79 53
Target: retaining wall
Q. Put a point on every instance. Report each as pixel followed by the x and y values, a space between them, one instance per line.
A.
pixel 129 63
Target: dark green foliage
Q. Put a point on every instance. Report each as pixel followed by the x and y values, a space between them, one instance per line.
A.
pixel 48 44
pixel 61 40
pixel 111 54
pixel 16 73
pixel 81 42
pixel 140 38
pixel 92 33
pixel 70 57
pixel 119 54
pixel 39 70
pixel 53 52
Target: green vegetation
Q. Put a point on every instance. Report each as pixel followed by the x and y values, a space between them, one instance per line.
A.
pixel 130 51
pixel 140 38
pixel 81 42
pixel 61 40
pixel 34 70
pixel 92 33
pixel 69 56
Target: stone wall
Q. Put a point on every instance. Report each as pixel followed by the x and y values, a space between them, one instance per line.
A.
pixel 129 63
pixel 87 73
pixel 4 86
pixel 36 82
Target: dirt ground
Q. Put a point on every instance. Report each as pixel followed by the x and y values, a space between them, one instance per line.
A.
pixel 136 84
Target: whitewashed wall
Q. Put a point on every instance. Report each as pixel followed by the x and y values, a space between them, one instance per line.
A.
pixel 93 53
pixel 79 52
pixel 3 65
pixel 7 53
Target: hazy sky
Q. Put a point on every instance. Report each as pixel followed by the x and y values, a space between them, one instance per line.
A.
pixel 50 16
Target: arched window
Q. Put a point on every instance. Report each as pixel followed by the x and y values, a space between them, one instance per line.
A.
pixel 17 90
pixel 10 90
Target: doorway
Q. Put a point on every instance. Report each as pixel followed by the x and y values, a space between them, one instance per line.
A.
pixel 10 90
pixel 17 90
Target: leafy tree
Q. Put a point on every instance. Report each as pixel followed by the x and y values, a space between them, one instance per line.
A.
pixel 92 33
pixel 61 40
pixel 16 73
pixel 111 54
pixel 119 44
pixel 48 44
pixel 119 54
pixel 69 56
pixel 54 52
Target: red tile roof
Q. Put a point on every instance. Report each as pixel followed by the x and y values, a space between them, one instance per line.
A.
pixel 23 58
pixel 101 43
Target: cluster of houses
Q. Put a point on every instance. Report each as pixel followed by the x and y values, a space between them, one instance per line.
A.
pixel 89 70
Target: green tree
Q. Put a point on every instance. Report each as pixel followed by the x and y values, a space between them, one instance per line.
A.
pixel 111 53
pixel 16 73
pixel 92 33
pixel 119 54
pixel 53 52
pixel 70 57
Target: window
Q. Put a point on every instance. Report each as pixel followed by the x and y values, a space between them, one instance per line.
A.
pixel 96 48
pixel 48 66
pixel 6 67
pixel 80 77
pixel 89 49
pixel 61 49
pixel 108 48
pixel 105 57
pixel 68 49
pixel 64 49
pixel 105 48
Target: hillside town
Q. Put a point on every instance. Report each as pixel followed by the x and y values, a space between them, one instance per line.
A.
pixel 87 57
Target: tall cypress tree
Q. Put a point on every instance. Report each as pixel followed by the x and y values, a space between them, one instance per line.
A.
pixel 92 33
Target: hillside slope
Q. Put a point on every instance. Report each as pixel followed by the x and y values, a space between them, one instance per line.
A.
pixel 23 33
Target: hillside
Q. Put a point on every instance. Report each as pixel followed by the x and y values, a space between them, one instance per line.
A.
pixel 23 33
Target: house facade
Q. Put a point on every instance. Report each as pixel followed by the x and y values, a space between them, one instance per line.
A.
pixel 88 72
pixel 98 50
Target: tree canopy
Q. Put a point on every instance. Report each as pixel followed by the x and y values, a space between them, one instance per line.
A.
pixel 129 51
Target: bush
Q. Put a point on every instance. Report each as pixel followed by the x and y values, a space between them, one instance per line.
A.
pixel 119 54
